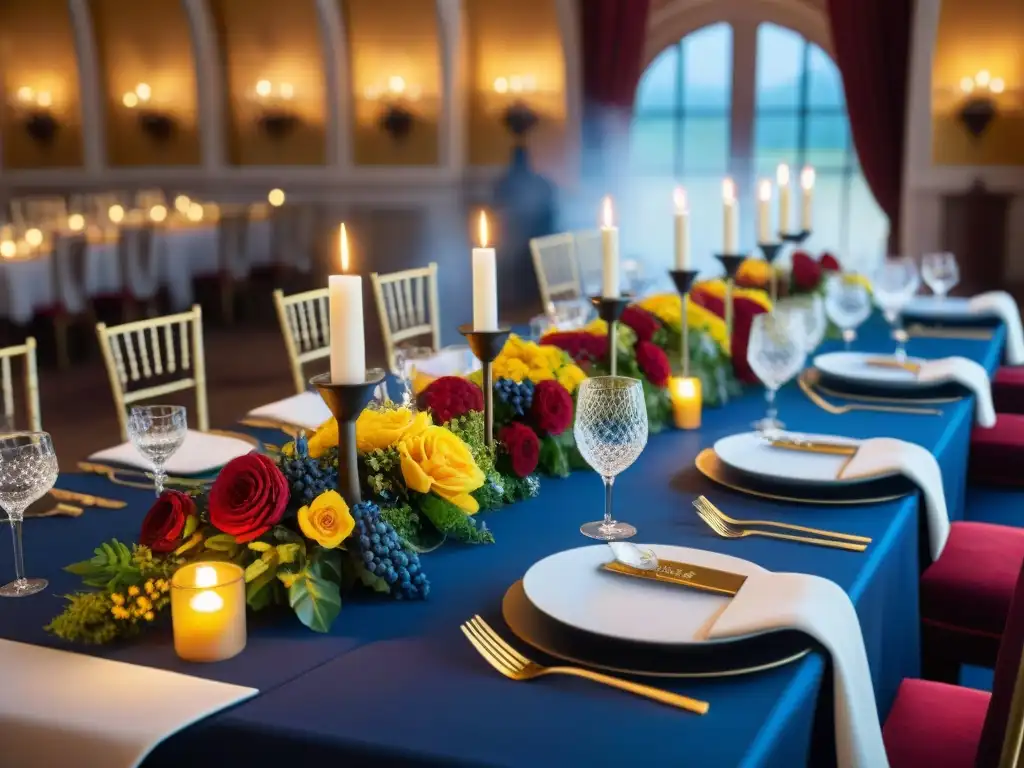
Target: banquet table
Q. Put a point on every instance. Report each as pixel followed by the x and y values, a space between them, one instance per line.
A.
pixel 397 683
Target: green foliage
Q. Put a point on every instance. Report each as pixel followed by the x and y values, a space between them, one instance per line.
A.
pixel 416 531
pixel 382 473
pixel 367 579
pixel 659 407
pixel 314 593
pixel 111 567
pixel 87 619
pixel 452 521
pixel 554 459
pixel 470 429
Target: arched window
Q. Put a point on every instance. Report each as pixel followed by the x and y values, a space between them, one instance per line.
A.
pixel 689 129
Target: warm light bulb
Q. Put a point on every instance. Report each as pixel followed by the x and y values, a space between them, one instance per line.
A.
pixel 34 237
pixel 182 203
pixel 115 213
pixel 728 191
pixel 195 212
pixel 679 198
pixel 44 99
pixel 263 88
pixel 606 212
pixel 764 190
pixel 276 197
pixel 782 175
pixel 143 91
pixel 26 95
pixel 287 90
pixel 501 85
pixel 76 222
pixel 8 249
pixel 807 177
pixel 158 213
pixel 483 231
pixel 396 84
pixel 343 247
pixel 997 85
pixel 983 78
pixel 966 84
pixel 130 100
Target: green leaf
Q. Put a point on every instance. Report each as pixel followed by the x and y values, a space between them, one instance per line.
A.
pixel 371 580
pixel 314 597
pixel 288 553
pixel 224 542
pixel 286 535
pixel 553 459
pixel 256 569
pixel 259 546
pixel 451 520
pixel 259 593
pixel 191 524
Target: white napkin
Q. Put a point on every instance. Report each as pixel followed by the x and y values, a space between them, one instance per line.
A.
pixel 450 361
pixel 307 410
pixel 200 452
pixel 1002 304
pixel 106 714
pixel 820 608
pixel 969 374
pixel 883 454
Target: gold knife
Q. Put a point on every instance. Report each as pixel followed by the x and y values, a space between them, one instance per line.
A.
pixel 87 499
pixel 684 574
pixel 814 446
pixel 882 362
pixel 60 510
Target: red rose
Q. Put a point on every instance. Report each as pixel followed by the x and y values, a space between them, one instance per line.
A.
pixel 806 271
pixel 653 362
pixel 451 396
pixel 521 446
pixel 580 345
pixel 164 523
pixel 552 408
pixel 248 497
pixel 643 323
pixel 830 262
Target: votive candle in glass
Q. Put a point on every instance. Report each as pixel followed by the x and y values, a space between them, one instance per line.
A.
pixel 208 611
pixel 685 393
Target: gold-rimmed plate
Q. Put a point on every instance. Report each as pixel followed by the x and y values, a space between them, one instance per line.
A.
pixel 812 376
pixel 560 641
pixel 875 492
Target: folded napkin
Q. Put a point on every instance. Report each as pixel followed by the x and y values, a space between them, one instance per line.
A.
pixel 200 452
pixel 819 608
pixel 970 375
pixel 881 455
pixel 1002 304
pixel 450 361
pixel 307 410
pixel 65 708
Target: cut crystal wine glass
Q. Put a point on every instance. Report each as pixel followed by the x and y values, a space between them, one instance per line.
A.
pixel 895 284
pixel 810 311
pixel 157 431
pixel 940 272
pixel 848 304
pixel 611 432
pixel 28 470
pixel 776 353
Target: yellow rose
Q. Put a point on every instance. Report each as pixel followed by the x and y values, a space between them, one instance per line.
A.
pixel 327 520
pixel 325 438
pixel 570 377
pixel 555 357
pixel 537 375
pixel 667 307
pixel 716 288
pixel 377 429
pixel 436 460
pixel 754 271
pixel 597 327
pixel 510 368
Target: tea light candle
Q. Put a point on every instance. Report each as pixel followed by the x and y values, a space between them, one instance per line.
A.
pixel 782 179
pixel 682 229
pixel 730 217
pixel 686 402
pixel 764 203
pixel 485 283
pixel 807 197
pixel 348 346
pixel 208 611
pixel 609 252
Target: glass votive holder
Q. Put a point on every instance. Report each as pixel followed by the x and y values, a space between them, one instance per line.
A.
pixel 208 611
pixel 685 393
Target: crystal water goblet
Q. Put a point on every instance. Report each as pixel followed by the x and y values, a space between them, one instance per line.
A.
pixel 157 432
pixel 28 470
pixel 847 304
pixel 940 272
pixel 895 284
pixel 776 352
pixel 611 432
pixel 405 367
pixel 810 311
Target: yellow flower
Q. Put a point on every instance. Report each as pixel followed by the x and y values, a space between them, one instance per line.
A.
pixel 119 612
pixel 150 587
pixel 716 288
pixel 755 271
pixel 511 368
pixel 117 598
pixel 133 591
pixel 327 520
pixel 149 616
pixel 382 429
pixel 162 585
pixel 537 375
pixel 436 460
pixel 597 326
pixel 570 377
pixel 667 307
pixel 143 604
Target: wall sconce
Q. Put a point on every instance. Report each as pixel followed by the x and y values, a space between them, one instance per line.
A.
pixel 517 115
pixel 35 108
pixel 979 107
pixel 158 125
pixel 277 119
pixel 396 117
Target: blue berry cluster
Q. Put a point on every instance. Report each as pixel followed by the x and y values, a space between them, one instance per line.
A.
pixel 383 554
pixel 519 397
pixel 308 477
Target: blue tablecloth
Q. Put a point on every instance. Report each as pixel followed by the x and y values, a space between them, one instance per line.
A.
pixel 398 683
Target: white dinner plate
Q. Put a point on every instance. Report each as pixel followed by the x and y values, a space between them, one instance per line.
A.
pixel 950 308
pixel 853 366
pixel 749 452
pixel 573 588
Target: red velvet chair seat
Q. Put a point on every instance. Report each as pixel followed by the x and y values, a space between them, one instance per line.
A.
pixel 1008 389
pixel 934 725
pixel 966 594
pixel 997 454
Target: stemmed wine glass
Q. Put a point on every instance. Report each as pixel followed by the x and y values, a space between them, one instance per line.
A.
pixel 810 311
pixel 848 304
pixel 157 431
pixel 28 470
pixel 895 284
pixel 940 272
pixel 776 352
pixel 611 432
pixel 405 367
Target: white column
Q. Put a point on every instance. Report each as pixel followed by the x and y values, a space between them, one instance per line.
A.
pixel 91 98
pixel 210 96
pixel 337 83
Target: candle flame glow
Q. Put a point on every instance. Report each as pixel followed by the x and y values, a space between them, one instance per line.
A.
pixel 782 175
pixel 684 387
pixel 764 190
pixel 606 212
pixel 343 247
pixel 206 576
pixel 728 191
pixel 483 230
pixel 679 197
pixel 807 177
pixel 206 602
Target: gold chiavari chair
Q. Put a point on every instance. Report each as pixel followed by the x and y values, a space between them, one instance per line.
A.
pixel 554 262
pixel 28 350
pixel 306 328
pixel 167 348
pixel 408 307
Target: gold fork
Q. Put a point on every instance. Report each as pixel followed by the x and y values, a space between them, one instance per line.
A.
pixel 703 502
pixel 512 664
pixel 730 531
pixel 838 410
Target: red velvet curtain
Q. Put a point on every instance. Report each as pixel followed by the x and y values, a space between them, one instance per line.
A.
pixel 872 47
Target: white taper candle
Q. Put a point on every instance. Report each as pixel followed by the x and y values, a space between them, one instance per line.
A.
pixel 682 229
pixel 782 179
pixel 764 204
pixel 485 283
pixel 348 344
pixel 807 197
pixel 609 252
pixel 730 217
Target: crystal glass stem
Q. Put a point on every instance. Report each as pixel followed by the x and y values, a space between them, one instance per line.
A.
pixel 19 551
pixel 849 335
pixel 772 411
pixel 159 476
pixel 608 482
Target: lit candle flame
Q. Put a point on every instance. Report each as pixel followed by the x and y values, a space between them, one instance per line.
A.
pixel 807 177
pixel 679 197
pixel 606 212
pixel 782 175
pixel 728 191
pixel 343 247
pixel 764 190
pixel 206 576
pixel 76 222
pixel 483 230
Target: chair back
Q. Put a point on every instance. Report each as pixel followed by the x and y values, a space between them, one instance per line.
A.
pixel 1002 736
pixel 408 307
pixel 69 263
pixel 590 260
pixel 554 262
pixel 28 351
pixel 166 350
pixel 306 328
pixel 138 253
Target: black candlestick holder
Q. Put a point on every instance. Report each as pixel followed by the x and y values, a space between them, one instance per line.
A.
pixel 486 346
pixel 346 402
pixel 795 238
pixel 683 278
pixel 610 309
pixel 771 251
pixel 731 262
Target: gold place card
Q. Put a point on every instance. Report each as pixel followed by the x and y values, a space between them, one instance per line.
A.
pixel 684 574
